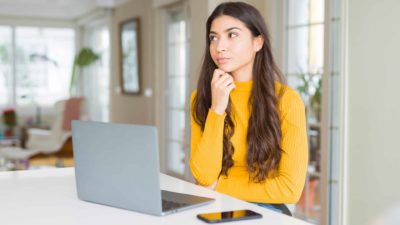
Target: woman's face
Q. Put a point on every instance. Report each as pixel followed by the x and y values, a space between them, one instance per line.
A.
pixel 232 46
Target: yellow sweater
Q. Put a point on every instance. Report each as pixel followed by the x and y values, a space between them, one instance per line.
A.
pixel 286 185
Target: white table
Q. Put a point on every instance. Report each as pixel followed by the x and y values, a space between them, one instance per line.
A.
pixel 44 197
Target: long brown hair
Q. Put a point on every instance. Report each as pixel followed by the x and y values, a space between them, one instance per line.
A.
pixel 264 131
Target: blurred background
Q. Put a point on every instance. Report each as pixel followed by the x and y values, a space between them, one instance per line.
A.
pixel 137 61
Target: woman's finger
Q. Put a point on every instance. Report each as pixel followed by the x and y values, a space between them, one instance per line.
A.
pixel 227 82
pixel 224 77
pixel 217 74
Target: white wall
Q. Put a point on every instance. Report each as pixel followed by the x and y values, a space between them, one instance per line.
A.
pixel 373 149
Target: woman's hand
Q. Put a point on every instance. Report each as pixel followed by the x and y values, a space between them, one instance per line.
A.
pixel 221 85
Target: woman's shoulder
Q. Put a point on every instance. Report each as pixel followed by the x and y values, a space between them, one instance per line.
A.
pixel 286 93
pixel 288 97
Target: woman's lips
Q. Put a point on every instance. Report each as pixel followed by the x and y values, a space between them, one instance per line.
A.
pixel 222 60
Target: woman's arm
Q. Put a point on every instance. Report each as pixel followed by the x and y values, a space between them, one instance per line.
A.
pixel 206 147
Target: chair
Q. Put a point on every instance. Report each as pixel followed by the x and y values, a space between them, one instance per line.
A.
pixel 50 142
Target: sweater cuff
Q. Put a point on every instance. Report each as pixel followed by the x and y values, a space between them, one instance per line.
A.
pixel 215 118
pixel 214 126
pixel 210 111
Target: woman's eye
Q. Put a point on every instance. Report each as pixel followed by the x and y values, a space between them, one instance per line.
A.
pixel 213 38
pixel 232 35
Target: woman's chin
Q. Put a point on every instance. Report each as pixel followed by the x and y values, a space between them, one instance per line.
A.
pixel 225 68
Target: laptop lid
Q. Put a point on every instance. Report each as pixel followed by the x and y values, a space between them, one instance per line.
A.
pixel 117 165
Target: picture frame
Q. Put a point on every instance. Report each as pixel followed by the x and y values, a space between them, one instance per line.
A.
pixel 129 45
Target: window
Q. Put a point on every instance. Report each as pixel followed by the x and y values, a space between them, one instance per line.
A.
pixel 176 91
pixel 304 69
pixel 5 66
pixel 39 74
pixel 97 76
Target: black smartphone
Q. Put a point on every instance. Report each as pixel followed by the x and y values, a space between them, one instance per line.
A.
pixel 218 217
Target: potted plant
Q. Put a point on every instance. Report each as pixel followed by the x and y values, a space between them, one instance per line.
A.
pixel 84 58
pixel 311 92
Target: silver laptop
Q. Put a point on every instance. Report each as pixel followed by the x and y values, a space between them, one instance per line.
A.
pixel 118 165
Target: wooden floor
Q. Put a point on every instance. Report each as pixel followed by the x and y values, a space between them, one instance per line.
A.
pixel 52 161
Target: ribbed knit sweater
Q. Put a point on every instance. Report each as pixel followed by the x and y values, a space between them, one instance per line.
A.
pixel 282 186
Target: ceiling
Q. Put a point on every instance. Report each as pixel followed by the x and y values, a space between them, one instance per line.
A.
pixel 53 9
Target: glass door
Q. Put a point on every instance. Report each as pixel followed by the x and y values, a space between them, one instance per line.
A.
pixel 176 91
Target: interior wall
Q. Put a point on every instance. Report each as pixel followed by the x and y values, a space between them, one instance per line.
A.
pixel 198 17
pixel 373 151
pixel 134 108
pixel 274 15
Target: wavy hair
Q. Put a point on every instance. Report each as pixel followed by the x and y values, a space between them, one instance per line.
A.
pixel 264 131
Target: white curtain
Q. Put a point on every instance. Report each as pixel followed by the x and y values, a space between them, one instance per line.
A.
pixel 96 78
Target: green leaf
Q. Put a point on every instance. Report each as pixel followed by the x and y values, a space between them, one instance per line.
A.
pixel 84 58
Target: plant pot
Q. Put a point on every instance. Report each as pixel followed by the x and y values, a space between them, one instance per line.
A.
pixel 9 132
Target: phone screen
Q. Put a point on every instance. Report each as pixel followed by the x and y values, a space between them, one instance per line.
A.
pixel 217 217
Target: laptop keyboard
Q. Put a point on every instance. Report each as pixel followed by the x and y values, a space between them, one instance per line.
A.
pixel 170 205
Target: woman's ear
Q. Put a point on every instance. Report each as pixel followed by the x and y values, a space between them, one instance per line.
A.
pixel 258 42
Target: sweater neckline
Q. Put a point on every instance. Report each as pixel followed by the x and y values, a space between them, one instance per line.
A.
pixel 244 85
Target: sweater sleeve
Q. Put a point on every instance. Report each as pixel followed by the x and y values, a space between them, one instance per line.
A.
pixel 206 147
pixel 287 184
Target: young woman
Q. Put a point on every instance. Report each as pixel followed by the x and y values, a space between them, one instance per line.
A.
pixel 248 129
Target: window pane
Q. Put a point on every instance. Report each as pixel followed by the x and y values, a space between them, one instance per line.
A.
pixel 5 66
pixel 316 48
pixel 317 11
pixel 297 50
pixel 177 58
pixel 303 12
pixel 298 12
pixel 177 87
pixel 176 125
pixel 175 158
pixel 44 63
pixel 176 27
pixel 305 47
pixel 177 48
pixel 97 77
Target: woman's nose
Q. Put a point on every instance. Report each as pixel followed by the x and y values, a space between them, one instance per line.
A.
pixel 221 45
